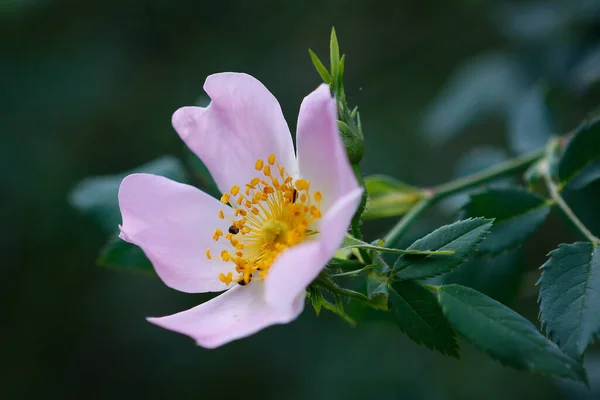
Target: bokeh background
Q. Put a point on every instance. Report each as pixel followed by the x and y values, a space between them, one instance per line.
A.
pixel 444 88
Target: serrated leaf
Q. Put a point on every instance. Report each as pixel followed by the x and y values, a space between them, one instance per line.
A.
pixel 570 296
pixel 97 196
pixel 504 334
pixel 389 197
pixel 419 316
pixel 462 237
pixel 118 253
pixel 351 242
pixel 582 151
pixel 321 69
pixel 517 213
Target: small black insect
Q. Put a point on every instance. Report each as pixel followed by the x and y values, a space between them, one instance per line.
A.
pixel 294 196
pixel 234 230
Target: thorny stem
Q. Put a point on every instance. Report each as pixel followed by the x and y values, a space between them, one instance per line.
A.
pixel 326 282
pixel 448 189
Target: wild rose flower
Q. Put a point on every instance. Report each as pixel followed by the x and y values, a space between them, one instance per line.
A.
pixel 280 219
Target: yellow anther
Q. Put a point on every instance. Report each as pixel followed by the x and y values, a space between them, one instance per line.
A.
pixel 225 198
pixel 254 181
pixel 237 211
pixel 242 212
pixel 301 184
pixel 267 170
pixel 221 215
pixel 259 164
pixel 208 254
pixel 255 211
pixel 315 212
pixel 239 200
pixel 235 189
pixel 239 253
pixel 234 242
pixel 268 190
pixel 227 279
pixel 239 246
pixel 318 196
pixel 272 159
pixel 225 256
pixel 217 233
pixel 303 198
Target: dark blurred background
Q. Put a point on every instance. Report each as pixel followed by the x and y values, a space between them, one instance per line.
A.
pixel 444 88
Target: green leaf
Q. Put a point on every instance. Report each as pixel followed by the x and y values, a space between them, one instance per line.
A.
pixel 97 196
pixel 118 253
pixel 586 177
pixel 570 296
pixel 517 213
pixel 351 242
pixel 389 197
pixel 461 237
pixel 334 54
pixel 377 288
pixel 320 67
pixel 504 334
pixel 419 316
pixel 582 151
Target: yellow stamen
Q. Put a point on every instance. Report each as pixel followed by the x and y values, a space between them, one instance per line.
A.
pixel 274 214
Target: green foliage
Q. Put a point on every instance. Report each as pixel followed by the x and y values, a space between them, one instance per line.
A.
pixel 570 296
pixel 504 334
pixel 97 196
pixel 321 69
pixel 581 152
pixel 517 213
pixel 419 316
pixel 389 197
pixel 118 253
pixel 462 237
pixel 377 289
pixel 354 243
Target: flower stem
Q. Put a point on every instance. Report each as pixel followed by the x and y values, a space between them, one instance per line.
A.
pixel 326 282
pixel 448 189
pixel 564 207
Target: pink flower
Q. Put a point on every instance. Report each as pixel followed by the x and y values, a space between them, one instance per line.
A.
pixel 280 220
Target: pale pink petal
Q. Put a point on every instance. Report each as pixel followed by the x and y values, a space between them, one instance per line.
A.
pixel 237 313
pixel 243 123
pixel 174 223
pixel 298 266
pixel 322 158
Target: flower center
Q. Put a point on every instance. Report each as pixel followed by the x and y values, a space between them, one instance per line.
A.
pixel 271 213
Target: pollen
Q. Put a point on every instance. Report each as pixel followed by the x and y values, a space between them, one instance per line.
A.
pixel 272 213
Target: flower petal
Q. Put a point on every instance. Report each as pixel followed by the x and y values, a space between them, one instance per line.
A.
pixel 243 123
pixel 322 158
pixel 237 313
pixel 174 223
pixel 298 266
